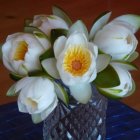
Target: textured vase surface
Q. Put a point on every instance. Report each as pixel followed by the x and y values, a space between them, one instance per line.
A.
pixel 78 121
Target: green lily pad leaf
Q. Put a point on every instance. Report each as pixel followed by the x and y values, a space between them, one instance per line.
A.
pixel 78 26
pixel 60 13
pixel 55 33
pixel 99 23
pixel 27 22
pixel 61 93
pixel 107 94
pixel 15 76
pixel 12 91
pixel 107 78
pixel 36 118
pixel 125 65
pixel 47 54
pixel 133 56
pixel 133 20
pixel 103 61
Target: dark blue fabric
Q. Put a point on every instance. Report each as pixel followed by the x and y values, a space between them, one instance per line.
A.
pixel 123 123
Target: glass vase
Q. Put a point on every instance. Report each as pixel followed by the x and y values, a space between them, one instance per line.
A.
pixel 78 121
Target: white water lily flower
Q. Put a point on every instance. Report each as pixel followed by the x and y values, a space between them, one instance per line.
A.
pixel 116 39
pixel 47 22
pixel 126 83
pixel 36 95
pixel 76 64
pixel 21 53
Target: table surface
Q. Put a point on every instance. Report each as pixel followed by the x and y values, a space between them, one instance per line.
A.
pixel 123 123
pixel 13 14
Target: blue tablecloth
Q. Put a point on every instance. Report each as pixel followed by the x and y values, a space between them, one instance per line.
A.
pixel 123 123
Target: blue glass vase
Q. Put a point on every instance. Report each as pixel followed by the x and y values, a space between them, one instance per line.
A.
pixel 78 121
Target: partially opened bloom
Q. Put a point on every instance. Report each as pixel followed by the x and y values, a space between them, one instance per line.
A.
pixel 21 52
pixel 126 86
pixel 36 95
pixel 76 64
pixel 47 22
pixel 117 39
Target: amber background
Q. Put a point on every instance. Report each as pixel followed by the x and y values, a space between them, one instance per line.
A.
pixel 13 13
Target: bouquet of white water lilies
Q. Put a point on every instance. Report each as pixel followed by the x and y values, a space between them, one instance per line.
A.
pixel 54 59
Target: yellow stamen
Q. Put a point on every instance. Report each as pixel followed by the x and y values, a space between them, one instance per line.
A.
pixel 21 50
pixel 77 60
pixel 31 103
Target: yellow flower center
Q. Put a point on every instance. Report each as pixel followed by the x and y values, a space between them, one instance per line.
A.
pixel 31 103
pixel 21 50
pixel 77 60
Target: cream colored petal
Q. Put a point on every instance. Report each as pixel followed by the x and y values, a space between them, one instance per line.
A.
pixel 77 39
pixel 59 45
pixel 81 92
pixel 50 67
pixel 103 61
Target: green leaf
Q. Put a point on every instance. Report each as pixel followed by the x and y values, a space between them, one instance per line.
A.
pixel 107 78
pixel 15 76
pixel 99 23
pixel 133 56
pixel 78 26
pixel 36 118
pixel 47 54
pixel 27 22
pixel 60 13
pixel 125 65
pixel 55 33
pixel 61 93
pixel 103 61
pixel 11 91
pixel 36 73
pixel 133 20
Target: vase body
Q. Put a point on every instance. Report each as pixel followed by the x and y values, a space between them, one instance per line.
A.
pixel 78 121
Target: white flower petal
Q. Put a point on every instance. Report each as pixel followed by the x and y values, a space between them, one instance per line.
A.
pixel 7 64
pixel 59 45
pixel 93 48
pixel 57 22
pixel 50 67
pixel 22 83
pixel 43 40
pixel 131 21
pixel 47 111
pixel 93 75
pixel 103 61
pixel 21 106
pixel 77 39
pixel 35 94
pixel 81 92
pixel 10 37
